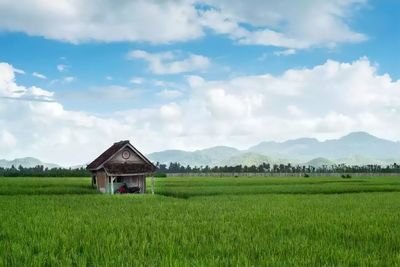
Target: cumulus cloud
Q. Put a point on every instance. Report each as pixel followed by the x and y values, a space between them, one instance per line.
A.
pixel 46 130
pixel 169 62
pixel 325 101
pixel 286 23
pixel 80 21
pixel 9 89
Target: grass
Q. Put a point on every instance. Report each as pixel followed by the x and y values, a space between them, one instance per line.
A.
pixel 202 222
pixel 45 186
pixel 186 188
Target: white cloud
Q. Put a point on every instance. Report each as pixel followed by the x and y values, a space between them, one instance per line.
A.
pixel 170 94
pixel 47 130
pixel 171 112
pixel 161 83
pixel 69 79
pixel 271 38
pixel 137 80
pixel 80 21
pixel 325 101
pixel 62 67
pixel 19 71
pixel 63 80
pixel 9 89
pixel 109 78
pixel 39 75
pixel 294 110
pixel 115 92
pixel 112 93
pixel 286 23
pixel 286 52
pixel 7 141
pixel 169 62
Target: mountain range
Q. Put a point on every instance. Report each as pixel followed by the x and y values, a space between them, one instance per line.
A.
pixel 357 148
pixel 27 162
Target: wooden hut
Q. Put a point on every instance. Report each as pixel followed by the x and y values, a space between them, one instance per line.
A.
pixel 121 168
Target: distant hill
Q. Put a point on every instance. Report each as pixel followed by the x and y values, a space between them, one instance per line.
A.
pixel 357 143
pixel 296 148
pixel 27 162
pixel 246 159
pixel 319 162
pixel 78 166
pixel 209 156
pixel 356 148
pixel 362 160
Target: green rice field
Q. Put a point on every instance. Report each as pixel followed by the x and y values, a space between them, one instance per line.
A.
pixel 202 221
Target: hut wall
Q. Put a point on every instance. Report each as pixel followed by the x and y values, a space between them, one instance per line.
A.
pixel 101 181
pixel 133 157
pixel 132 181
pixel 142 183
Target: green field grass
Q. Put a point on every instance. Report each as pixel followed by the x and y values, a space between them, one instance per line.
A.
pixel 202 222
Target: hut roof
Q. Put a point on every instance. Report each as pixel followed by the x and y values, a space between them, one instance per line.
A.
pixel 111 151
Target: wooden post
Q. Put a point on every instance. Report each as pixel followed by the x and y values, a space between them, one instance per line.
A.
pixel 152 185
pixel 112 185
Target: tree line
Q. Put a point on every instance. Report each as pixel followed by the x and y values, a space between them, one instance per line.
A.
pixel 41 171
pixel 175 167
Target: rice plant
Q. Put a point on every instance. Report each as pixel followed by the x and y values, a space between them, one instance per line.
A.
pixel 202 222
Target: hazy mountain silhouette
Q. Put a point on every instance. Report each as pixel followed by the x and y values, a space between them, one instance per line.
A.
pixel 354 148
pixel 357 148
pixel 25 162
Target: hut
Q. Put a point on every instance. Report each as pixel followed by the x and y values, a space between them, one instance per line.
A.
pixel 121 168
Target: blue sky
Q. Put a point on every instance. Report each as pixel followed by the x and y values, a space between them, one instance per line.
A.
pixel 192 74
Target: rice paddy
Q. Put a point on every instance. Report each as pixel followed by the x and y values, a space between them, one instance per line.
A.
pixel 242 221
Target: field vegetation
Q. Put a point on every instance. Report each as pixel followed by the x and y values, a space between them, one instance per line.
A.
pixel 212 221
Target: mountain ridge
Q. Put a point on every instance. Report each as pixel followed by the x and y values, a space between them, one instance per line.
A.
pixel 355 148
pixel 27 162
